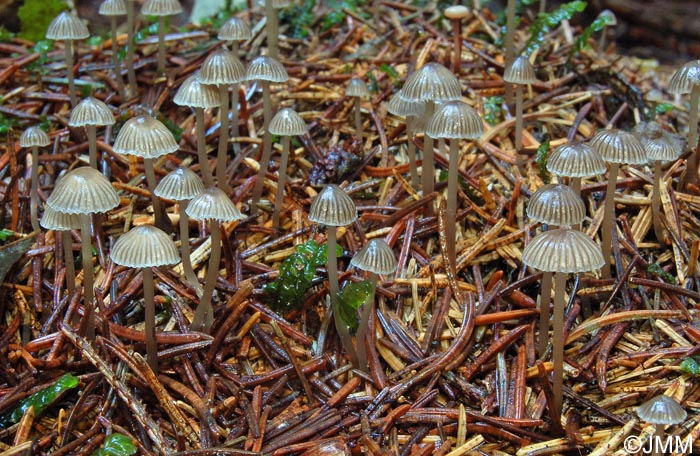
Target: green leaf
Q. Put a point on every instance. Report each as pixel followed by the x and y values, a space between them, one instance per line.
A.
pixel 388 70
pixel 117 445
pixel 40 400
pixel 602 21
pixel 546 22
pixel 663 108
pixel 350 298
pixel 541 161
pixel 35 17
pixel 690 366
pixel 5 234
pixel 493 111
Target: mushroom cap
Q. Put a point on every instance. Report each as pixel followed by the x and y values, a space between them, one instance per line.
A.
pixel 59 221
pixel 235 29
pixel 67 26
pixel 520 71
pixel 144 136
pixel 685 78
pixel 610 17
pixel 90 111
pixel 144 246
pixel 83 191
pixel 221 67
pixel 333 207
pixel 265 68
pixel 661 410
pixel 180 184
pixel 113 8
pixel 193 94
pixel 357 88
pixel 456 12
pixel 575 159
pixel 663 149
pixel 399 106
pixel 376 256
pixel 287 123
pixel 432 82
pixel 617 146
pixel 161 7
pixel 213 204
pixel 455 120
pixel 563 250
pixel 34 136
pixel 556 204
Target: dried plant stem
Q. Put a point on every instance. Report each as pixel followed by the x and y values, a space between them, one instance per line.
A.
pixel 558 339
pixel 68 45
pixel 92 144
pixel 185 250
pixel 279 196
pixel 545 301
pixel 202 149
pixel 340 326
pixel 656 203
pixel 362 327
pixel 223 139
pixel 34 200
pixel 87 325
pixel 267 148
pixel 271 17
pixel 161 45
pixel 149 302
pixel 451 228
pixel 151 180
pixel 130 44
pixel 204 316
pixel 358 118
pixel 428 168
pixel 521 159
pixel 609 218
pixel 413 163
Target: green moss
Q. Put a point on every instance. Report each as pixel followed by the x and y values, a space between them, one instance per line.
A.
pixel 40 400
pixel 546 22
pixel 117 445
pixel 351 297
pixel 35 17
pixel 602 21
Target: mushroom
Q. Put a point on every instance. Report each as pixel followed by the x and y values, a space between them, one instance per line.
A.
pixel 286 123
pixel 455 120
pixel 222 69
pixel 84 191
pixel 660 411
pixel 616 147
pixel 376 257
pixel 509 46
pixel 687 80
pixel 182 185
pixel 608 18
pixel 59 221
pixel 130 46
pixel 215 207
pixel 575 160
pixel 161 9
pixel 520 73
pixel 34 137
pixel 193 94
pixel 148 138
pixel 267 70
pixel 68 27
pixel 357 89
pixel 332 208
pixel 145 247
pixel 91 113
pixel 456 14
pixel 412 110
pixel 114 8
pixel 271 7
pixel 561 251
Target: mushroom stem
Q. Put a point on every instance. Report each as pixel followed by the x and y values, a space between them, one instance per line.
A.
pixel 451 230
pixel 519 128
pixel 428 168
pixel 68 45
pixel 34 201
pixel 657 439
pixel 691 167
pixel 202 148
pixel 558 339
pixel 223 139
pixel 130 44
pixel 415 180
pixel 457 60
pixel 576 185
pixel 364 323
pixel 87 325
pixel 235 132
pixel 185 250
pixel 279 196
pixel 204 316
pixel 340 326
pixel 68 260
pixel 543 6
pixel 115 58
pixel 510 47
pixel 545 300
pixel 92 144
pixel 608 219
pixel 656 203
pixel 271 17
pixel 151 180
pixel 267 148
pixel 148 297
pixel 358 119
pixel 161 46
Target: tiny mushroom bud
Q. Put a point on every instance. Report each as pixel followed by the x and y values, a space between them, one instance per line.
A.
pixel 34 137
pixel 456 13
pixel 112 9
pixel 161 9
pixel 520 72
pixel 68 27
pixel 357 89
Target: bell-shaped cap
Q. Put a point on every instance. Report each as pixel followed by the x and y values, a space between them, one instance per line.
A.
pixel 67 26
pixel 663 149
pixel 179 185
pixel 221 67
pixel 113 8
pixel 661 410
pixel 520 71
pixel 617 146
pixel 235 29
pixel 59 221
pixel 400 106
pixel 376 256
pixel 193 94
pixel 83 191
pixel 685 78
pixel 34 136
pixel 287 123
pixel 563 250
pixel 556 204
pixel 145 136
pixel 575 159
pixel 161 7
pixel 265 68
pixel 144 247
pixel 91 111
pixel 456 12
pixel 333 207
pixel 432 82
pixel 455 120
pixel 357 88
pixel 213 204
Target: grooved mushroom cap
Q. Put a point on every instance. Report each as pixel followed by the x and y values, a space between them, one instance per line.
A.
pixel 34 136
pixel 617 146
pixel 685 78
pixel 376 256
pixel 661 410
pixel 59 221
pixel 556 204
pixel 400 106
pixel 83 191
pixel 213 204
pixel 144 247
pixel 520 71
pixel 456 12
pixel 113 8
pixel 193 94
pixel 144 136
pixel 266 68
pixel 333 207
pixel 67 26
pixel 662 149
pixel 432 82
pixel 179 185
pixel 563 250
pixel 455 120
pixel 575 159
pixel 357 88
pixel 161 7
pixel 90 111
pixel 235 29
pixel 221 68
pixel 287 123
